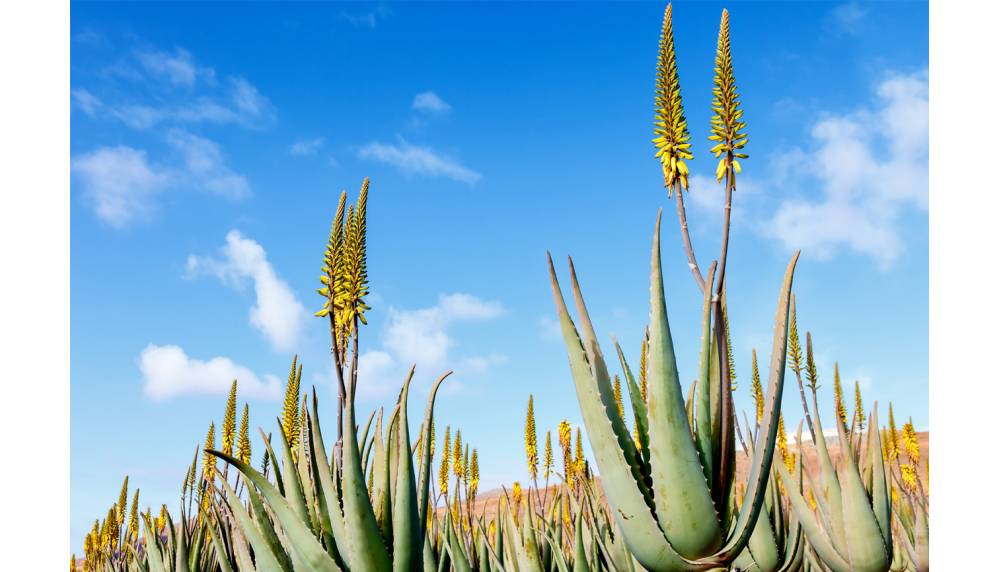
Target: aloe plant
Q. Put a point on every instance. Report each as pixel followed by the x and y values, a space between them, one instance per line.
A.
pixel 664 502
pixel 853 530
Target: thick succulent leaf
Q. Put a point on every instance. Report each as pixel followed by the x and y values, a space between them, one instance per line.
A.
pixel 365 546
pixel 290 478
pixel 221 554
pixel 579 554
pixel 460 563
pixel 619 477
pixel 817 536
pixel 683 500
pixel 154 558
pixel 405 518
pixel 703 404
pixel 830 483
pixel 301 539
pixel 267 529
pixel 760 466
pixel 425 457
pixel 639 407
pixel 329 491
pixel 763 547
pixel 865 546
pixel 881 499
pixel 267 561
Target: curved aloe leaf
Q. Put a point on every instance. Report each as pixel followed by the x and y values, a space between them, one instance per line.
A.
pixel 301 539
pixel 405 517
pixel 423 500
pixel 683 500
pixel 266 559
pixel 760 467
pixel 642 533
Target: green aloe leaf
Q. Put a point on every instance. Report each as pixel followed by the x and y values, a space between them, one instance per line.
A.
pixel 703 411
pixel 265 557
pixel 760 466
pixel 407 543
pixel 638 524
pixel 684 506
pixel 301 539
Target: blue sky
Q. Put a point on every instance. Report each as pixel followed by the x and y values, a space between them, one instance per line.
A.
pixel 210 142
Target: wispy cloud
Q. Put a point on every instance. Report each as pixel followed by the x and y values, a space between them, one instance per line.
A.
pixel 369 19
pixel 172 88
pixel 870 165
pixel 429 102
pixel 179 67
pixel 205 167
pixel 277 312
pixel 848 18
pixel 417 160
pixel 168 371
pixel 119 183
pixel 305 147
pixel 424 337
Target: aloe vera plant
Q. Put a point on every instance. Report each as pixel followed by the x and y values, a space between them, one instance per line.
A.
pixel 853 530
pixel 664 502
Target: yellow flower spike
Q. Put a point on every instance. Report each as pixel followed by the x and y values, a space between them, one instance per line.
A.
pixel 812 499
pixel 243 451
pixel 474 476
pixel 859 407
pixel 229 422
pixel 290 410
pixel 133 518
pixel 910 444
pixel 354 270
pixel 618 398
pixel 893 440
pixel 332 258
pixel 467 473
pixel 670 126
pixel 794 345
pixel 566 444
pixel 838 394
pixel 517 494
pixel 531 439
pixel 812 375
pixel 578 459
pixel 548 462
pixel 445 459
pixel 457 451
pixel 208 461
pixel 782 443
pixel 727 127
pixel 909 475
pixel 122 500
pixel 755 387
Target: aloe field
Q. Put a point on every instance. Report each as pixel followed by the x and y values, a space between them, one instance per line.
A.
pixel 677 478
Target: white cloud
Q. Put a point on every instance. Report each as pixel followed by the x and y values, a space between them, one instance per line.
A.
pixel 86 101
pixel 277 313
pixel 304 147
pixel 178 68
pixel 205 166
pixel 423 337
pixel 870 165
pixel 849 17
pixel 430 102
pixel 119 183
pixel 167 372
pixel 157 100
pixel 416 160
pixel 366 19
